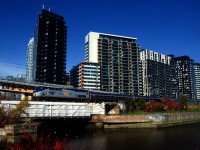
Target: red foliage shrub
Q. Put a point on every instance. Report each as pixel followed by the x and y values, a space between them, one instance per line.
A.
pixel 164 99
pixel 154 106
pixel 164 105
pixel 171 105
pixel 42 143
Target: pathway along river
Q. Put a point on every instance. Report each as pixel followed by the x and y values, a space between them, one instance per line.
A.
pixel 186 137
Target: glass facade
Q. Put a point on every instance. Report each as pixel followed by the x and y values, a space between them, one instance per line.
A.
pixel 86 75
pixel 173 77
pixel 185 76
pixel 30 61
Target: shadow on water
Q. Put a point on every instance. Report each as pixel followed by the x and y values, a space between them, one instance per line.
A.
pixel 2 145
pixel 185 137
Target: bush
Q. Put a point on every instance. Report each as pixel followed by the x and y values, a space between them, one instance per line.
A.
pixel 171 105
pixel 42 143
pixel 164 105
pixel 129 104
pixel 154 106
pixel 141 104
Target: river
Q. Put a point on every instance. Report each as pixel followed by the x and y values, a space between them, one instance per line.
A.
pixel 186 137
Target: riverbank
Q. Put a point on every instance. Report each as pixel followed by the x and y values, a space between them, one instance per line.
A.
pixel 145 120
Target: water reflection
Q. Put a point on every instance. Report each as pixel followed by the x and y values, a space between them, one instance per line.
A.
pixel 183 138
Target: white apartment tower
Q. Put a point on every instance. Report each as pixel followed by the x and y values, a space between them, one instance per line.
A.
pixel 30 61
pixel 197 79
pixel 118 57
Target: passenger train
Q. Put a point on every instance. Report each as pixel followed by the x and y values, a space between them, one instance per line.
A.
pixel 80 95
pixel 72 94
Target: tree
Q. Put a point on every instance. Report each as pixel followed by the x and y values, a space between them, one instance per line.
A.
pixel 129 104
pixel 13 115
pixel 141 104
pixel 183 102
pixel 16 112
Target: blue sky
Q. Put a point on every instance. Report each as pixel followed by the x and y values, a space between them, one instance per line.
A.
pixel 165 26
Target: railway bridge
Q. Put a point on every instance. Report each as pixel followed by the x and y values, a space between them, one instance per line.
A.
pixel 42 109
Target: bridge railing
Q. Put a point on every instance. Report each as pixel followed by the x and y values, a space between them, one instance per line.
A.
pixel 39 109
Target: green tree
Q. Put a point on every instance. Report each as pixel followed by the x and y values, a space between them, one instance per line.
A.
pixel 183 102
pixel 141 104
pixel 129 104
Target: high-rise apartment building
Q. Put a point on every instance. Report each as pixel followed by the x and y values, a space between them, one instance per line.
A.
pixel 173 77
pixel 156 77
pixel 118 57
pixel 30 61
pixel 185 77
pixel 50 48
pixel 197 79
pixel 86 75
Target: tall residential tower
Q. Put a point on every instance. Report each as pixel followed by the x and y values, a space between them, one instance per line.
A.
pixel 118 57
pixel 50 48
pixel 30 61
pixel 197 79
pixel 185 76
pixel 156 75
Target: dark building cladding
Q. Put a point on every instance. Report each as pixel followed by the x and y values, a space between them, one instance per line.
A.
pixel 50 39
pixel 185 77
pixel 159 78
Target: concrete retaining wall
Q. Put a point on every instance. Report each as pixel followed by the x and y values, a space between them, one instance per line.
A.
pixel 126 119
pixel 148 121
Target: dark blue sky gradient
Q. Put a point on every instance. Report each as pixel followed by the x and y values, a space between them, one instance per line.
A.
pixel 165 26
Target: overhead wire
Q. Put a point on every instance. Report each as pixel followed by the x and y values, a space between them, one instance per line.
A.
pixel 11 68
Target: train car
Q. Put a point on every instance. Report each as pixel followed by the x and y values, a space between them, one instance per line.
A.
pixel 48 93
pixel 105 96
